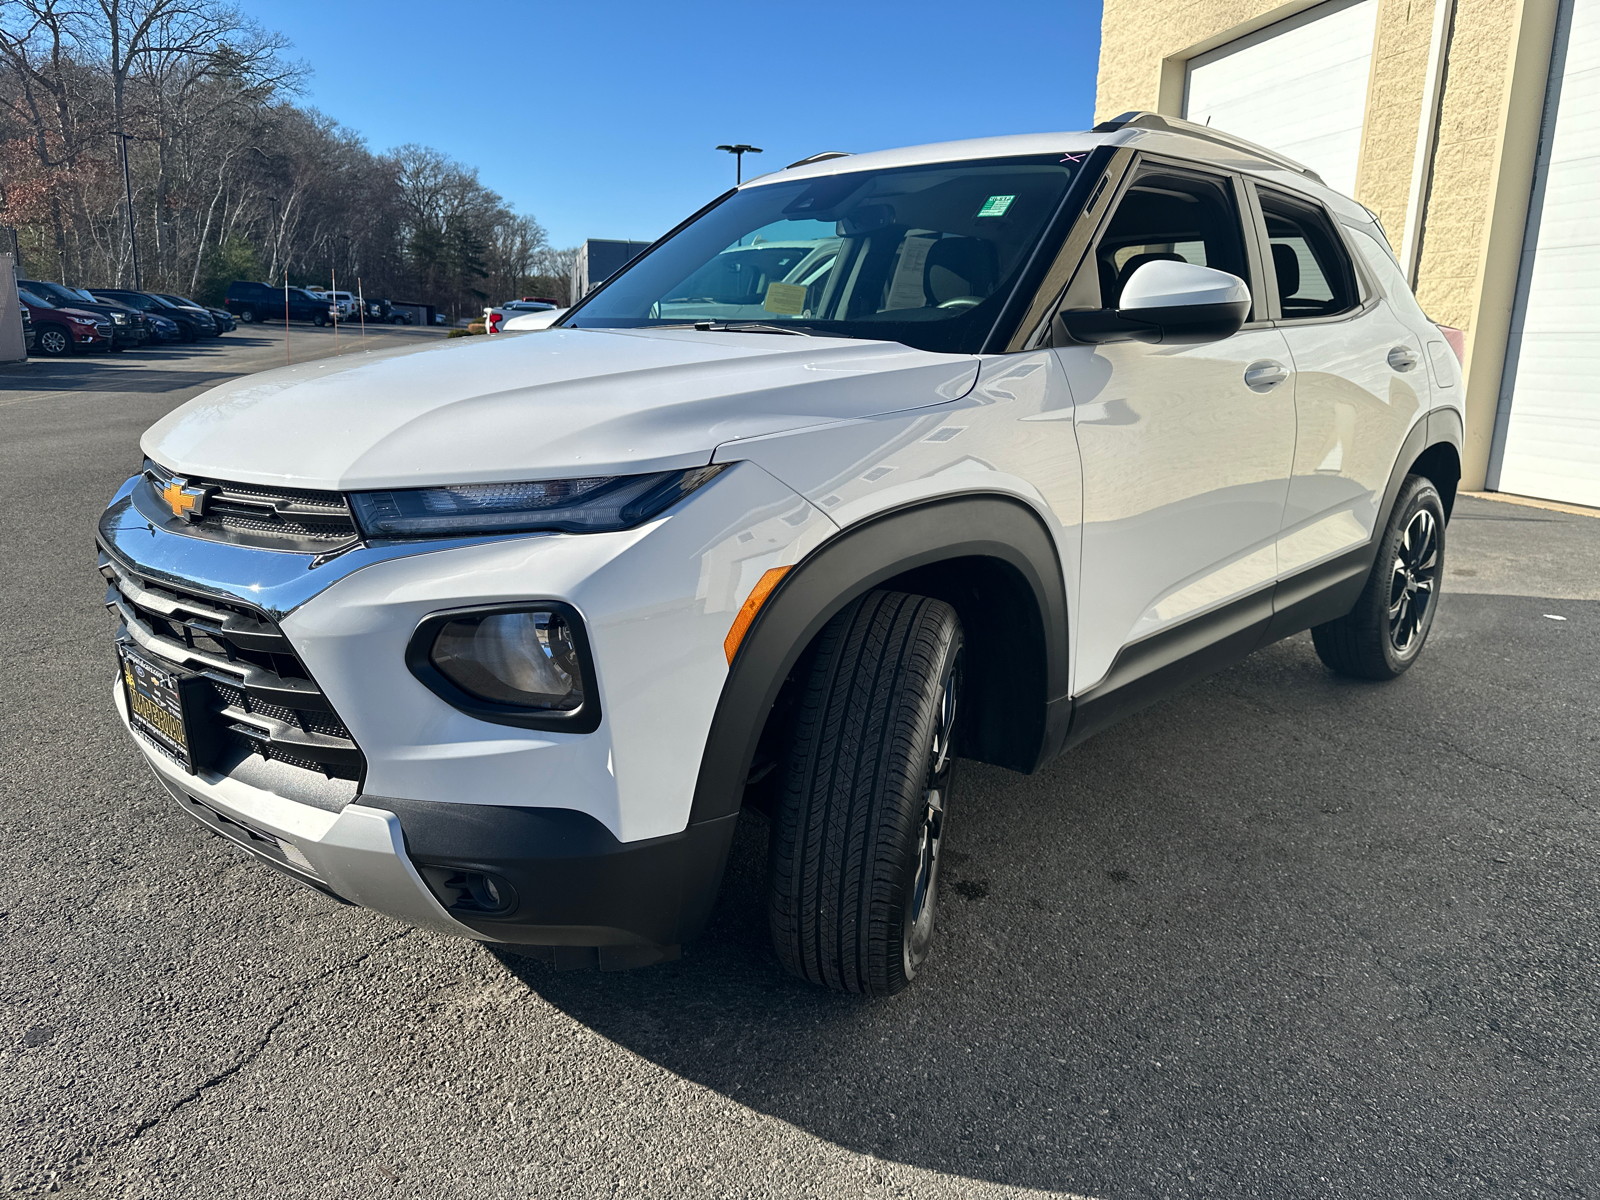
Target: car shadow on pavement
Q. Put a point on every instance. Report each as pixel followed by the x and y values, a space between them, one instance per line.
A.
pixel 131 371
pixel 1212 947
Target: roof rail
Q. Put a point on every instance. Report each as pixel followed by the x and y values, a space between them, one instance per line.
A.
pixel 816 158
pixel 1136 119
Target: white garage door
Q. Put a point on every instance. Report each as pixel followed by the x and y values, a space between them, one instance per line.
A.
pixel 1298 87
pixel 1549 420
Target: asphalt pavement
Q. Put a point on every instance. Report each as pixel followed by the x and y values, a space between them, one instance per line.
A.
pixel 1282 935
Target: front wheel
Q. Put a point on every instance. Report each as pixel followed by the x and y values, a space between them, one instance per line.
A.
pixel 1384 633
pixel 54 341
pixel 856 840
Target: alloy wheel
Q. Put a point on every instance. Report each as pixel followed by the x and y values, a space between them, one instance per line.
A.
pixel 53 341
pixel 1414 582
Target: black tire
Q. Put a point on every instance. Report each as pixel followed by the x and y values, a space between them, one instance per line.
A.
pixel 54 341
pixel 1384 633
pixel 320 320
pixel 854 866
pixel 247 314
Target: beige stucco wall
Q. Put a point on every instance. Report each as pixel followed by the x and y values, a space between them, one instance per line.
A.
pixel 1463 165
pixel 1482 167
pixel 1394 104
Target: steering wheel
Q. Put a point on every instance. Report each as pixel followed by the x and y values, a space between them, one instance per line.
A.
pixel 962 302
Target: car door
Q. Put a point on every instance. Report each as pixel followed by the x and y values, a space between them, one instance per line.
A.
pixel 1185 449
pixel 1360 382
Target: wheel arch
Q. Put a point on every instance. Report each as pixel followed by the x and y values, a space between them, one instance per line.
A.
pixel 1440 460
pixel 990 556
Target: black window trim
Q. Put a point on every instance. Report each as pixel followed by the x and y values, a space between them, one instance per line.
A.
pixel 1367 293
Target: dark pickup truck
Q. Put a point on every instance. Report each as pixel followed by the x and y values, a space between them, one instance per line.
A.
pixel 252 302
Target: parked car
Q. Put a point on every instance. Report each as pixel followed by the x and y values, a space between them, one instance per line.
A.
pixel 1041 428
pixel 192 323
pixel 221 316
pixel 59 330
pixel 28 334
pixel 533 320
pixel 493 317
pixel 252 302
pixel 146 321
pixel 384 312
pixel 128 329
pixel 198 313
pixel 163 329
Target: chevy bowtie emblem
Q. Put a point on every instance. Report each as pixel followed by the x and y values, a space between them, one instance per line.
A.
pixel 185 501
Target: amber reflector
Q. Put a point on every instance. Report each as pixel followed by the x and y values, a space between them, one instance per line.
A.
pixel 752 605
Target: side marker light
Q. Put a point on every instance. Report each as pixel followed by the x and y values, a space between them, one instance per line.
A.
pixel 752 605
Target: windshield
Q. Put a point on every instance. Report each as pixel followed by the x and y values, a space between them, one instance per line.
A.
pixel 57 294
pixel 29 298
pixel 923 255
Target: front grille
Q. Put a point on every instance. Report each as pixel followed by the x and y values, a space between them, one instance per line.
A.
pixel 266 701
pixel 277 518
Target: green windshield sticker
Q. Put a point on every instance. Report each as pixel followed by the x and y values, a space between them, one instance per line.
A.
pixel 995 206
pixel 787 298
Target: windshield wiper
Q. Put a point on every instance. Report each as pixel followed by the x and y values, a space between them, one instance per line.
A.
pixel 736 327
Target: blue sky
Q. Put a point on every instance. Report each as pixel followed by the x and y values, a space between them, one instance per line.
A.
pixel 600 119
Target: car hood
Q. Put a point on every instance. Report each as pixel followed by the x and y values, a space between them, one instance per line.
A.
pixel 558 403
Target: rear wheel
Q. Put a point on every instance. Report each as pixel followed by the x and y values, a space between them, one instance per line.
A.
pixel 856 840
pixel 247 314
pixel 320 320
pixel 1384 633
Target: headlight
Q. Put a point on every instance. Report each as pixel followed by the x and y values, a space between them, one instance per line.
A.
pixel 120 318
pixel 594 505
pixel 524 664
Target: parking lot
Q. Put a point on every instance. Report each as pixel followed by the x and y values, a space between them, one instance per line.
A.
pixel 1282 935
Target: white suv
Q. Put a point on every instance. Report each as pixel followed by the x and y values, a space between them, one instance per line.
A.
pixel 999 441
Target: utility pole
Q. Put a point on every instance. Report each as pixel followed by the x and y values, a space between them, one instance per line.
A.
pixel 127 184
pixel 739 150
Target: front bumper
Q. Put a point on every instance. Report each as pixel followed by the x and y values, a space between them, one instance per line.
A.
pixel 588 833
pixel 570 885
pixel 356 854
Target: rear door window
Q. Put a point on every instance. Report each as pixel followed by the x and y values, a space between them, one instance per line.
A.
pixel 1312 271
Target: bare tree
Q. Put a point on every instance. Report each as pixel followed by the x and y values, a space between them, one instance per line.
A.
pixel 188 107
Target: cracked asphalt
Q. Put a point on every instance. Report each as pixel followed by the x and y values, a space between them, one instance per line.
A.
pixel 1282 935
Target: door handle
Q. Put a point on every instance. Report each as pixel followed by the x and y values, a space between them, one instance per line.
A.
pixel 1402 358
pixel 1264 375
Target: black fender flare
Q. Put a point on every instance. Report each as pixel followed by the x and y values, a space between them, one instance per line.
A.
pixel 853 562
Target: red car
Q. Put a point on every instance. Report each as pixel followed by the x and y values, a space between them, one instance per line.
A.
pixel 65 330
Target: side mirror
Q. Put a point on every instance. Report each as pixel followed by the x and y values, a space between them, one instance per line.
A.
pixel 1173 303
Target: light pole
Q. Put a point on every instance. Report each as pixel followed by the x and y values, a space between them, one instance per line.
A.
pixel 739 150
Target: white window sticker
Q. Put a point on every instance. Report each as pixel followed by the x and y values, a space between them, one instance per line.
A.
pixel 786 298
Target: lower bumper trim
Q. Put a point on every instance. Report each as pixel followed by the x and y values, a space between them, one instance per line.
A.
pixel 576 885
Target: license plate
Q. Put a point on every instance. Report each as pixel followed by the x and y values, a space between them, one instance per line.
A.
pixel 156 707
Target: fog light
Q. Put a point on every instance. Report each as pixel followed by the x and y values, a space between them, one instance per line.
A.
pixel 472 892
pixel 522 658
